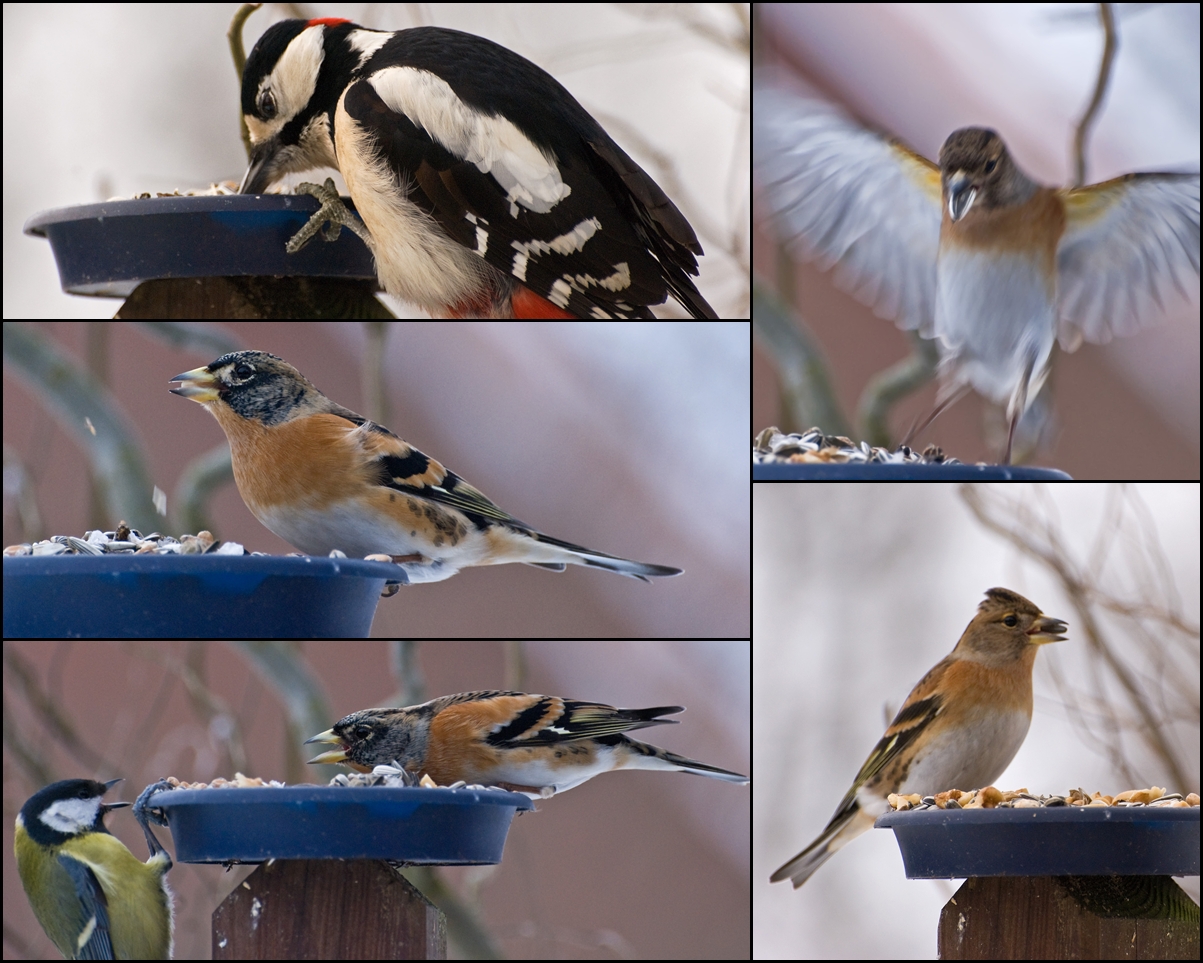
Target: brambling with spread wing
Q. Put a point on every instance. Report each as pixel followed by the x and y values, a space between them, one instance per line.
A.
pixel 322 477
pixel 533 744
pixel 971 251
pixel 959 728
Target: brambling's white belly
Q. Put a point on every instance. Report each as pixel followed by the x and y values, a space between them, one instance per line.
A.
pixel 971 757
pixel 996 321
pixel 548 768
pixel 347 527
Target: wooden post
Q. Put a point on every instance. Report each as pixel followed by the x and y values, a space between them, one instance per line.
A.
pixel 1069 918
pixel 328 909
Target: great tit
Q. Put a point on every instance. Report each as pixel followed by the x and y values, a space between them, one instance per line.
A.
pixel 93 897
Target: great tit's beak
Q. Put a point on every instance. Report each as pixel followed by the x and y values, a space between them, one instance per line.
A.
pixel 108 807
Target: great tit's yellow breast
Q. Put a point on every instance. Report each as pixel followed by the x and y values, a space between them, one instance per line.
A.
pixel 51 893
pixel 138 903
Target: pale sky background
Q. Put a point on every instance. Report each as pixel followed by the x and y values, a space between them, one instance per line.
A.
pixel 858 590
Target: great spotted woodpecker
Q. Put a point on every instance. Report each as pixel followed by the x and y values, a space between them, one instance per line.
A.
pixel 488 191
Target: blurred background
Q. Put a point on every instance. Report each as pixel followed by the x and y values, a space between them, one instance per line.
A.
pixel 1028 70
pixel 630 865
pixel 592 432
pixel 858 590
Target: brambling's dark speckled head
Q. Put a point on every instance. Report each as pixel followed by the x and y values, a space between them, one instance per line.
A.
pixel 976 170
pixel 257 386
pixel 374 737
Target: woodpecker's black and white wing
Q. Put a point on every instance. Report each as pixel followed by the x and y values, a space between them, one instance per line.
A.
pixel 480 178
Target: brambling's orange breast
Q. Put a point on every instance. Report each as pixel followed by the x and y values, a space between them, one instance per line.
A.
pixel 312 482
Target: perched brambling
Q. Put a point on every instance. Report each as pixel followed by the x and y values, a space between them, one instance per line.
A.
pixel 959 728
pixel 534 744
pixel 322 477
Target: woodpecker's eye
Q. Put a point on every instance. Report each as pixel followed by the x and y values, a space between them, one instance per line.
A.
pixel 990 165
pixel 267 105
pixel 1010 621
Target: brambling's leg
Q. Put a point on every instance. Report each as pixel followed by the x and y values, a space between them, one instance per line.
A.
pixel 1019 404
pixel 940 408
pixel 542 791
pixel 1010 439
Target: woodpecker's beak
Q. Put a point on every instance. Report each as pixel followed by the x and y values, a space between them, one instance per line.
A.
pixel 260 172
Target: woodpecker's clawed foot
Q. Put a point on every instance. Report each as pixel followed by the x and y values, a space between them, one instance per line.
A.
pixel 332 211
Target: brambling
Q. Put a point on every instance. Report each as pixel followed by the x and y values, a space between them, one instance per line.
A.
pixel 322 477
pixel 972 251
pixel 959 728
pixel 533 744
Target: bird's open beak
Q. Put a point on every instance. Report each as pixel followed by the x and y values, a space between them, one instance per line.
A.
pixel 198 385
pixel 962 192
pixel 334 756
pixel 1045 630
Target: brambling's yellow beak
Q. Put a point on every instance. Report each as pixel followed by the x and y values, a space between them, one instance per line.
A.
pixel 199 385
pixel 334 756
